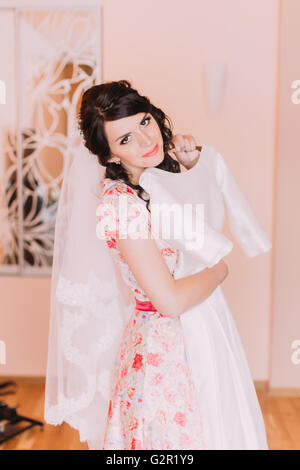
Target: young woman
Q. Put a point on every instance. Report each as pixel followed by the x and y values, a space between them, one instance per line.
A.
pixel 152 402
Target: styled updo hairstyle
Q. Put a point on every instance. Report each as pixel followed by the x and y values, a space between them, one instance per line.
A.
pixel 111 101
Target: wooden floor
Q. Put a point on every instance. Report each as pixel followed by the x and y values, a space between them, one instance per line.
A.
pixel 281 415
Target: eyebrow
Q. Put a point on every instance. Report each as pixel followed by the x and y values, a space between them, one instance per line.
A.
pixel 124 135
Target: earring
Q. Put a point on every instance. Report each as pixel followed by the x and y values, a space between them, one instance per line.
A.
pixel 118 162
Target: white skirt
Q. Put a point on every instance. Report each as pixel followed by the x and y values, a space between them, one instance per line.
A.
pixel 231 415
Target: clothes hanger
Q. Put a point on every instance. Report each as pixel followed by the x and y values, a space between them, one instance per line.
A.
pixel 172 146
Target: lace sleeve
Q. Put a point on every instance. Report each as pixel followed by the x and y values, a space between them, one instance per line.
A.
pixel 121 214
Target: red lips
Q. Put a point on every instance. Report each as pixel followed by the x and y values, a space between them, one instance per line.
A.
pixel 152 152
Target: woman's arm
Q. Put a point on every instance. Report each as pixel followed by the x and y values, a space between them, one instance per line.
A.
pixel 169 296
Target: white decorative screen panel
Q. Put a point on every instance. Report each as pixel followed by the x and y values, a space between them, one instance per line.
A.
pixel 50 56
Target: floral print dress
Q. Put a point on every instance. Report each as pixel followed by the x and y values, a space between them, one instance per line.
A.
pixel 152 403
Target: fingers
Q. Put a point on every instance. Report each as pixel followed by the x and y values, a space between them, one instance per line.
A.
pixel 190 143
pixel 178 141
pixel 184 143
pixel 193 142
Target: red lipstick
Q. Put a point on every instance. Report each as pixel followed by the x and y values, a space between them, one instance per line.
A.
pixel 153 152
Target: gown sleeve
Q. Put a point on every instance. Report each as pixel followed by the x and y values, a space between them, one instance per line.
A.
pixel 203 246
pixel 243 223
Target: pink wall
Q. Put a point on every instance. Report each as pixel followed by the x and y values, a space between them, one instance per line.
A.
pixel 161 48
pixel 286 304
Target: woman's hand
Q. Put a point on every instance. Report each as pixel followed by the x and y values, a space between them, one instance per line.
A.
pixel 185 150
pixel 222 270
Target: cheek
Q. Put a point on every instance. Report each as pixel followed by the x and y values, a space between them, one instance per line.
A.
pixel 155 132
pixel 129 155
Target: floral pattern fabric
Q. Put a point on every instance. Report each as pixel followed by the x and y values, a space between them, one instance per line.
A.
pixel 152 403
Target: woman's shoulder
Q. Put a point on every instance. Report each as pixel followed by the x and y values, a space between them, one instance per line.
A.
pixel 117 187
pixel 111 207
pixel 112 190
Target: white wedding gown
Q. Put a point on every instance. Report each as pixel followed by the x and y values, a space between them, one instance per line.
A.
pixel 226 394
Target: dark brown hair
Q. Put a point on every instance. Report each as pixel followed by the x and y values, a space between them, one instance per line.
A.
pixel 120 100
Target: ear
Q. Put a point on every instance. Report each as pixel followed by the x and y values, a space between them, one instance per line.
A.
pixel 114 159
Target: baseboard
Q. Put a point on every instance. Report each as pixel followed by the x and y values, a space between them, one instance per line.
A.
pixel 283 392
pixel 24 379
pixel 260 385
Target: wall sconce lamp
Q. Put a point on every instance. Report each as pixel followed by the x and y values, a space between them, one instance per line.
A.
pixel 214 82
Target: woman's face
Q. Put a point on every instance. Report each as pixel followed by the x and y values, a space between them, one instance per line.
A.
pixel 132 137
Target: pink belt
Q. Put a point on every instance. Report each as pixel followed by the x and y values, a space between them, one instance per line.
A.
pixel 146 306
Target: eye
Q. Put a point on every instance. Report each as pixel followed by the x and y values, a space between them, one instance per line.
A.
pixel 148 118
pixel 122 141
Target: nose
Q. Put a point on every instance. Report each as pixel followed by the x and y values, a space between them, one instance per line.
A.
pixel 145 142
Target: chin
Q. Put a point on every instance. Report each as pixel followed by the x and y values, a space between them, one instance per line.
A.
pixel 158 159
pixel 150 162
